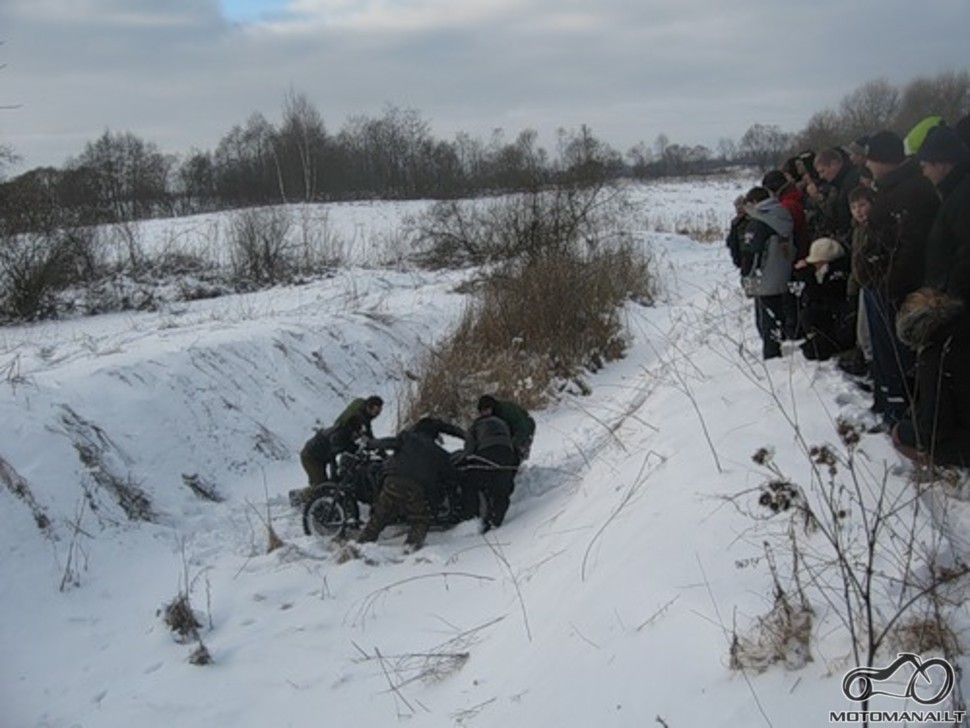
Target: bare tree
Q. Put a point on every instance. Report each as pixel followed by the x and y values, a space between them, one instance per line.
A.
pixel 197 182
pixel 639 158
pixel 824 129
pixel 521 164
pixel 127 176
pixel 871 107
pixel 8 157
pixel 946 95
pixel 584 158
pixel 765 145
pixel 302 140
pixel 727 148
pixel 660 145
pixel 248 165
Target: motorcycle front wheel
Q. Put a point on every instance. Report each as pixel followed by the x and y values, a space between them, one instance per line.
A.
pixel 325 513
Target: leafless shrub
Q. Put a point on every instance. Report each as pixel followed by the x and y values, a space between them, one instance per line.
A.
pixel 865 550
pixel 260 252
pixel 319 247
pixel 33 267
pixel 542 222
pixel 127 236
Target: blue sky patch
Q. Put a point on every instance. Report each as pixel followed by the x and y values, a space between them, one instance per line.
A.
pixel 249 11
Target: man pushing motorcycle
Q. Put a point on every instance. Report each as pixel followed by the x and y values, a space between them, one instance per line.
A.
pixel 414 475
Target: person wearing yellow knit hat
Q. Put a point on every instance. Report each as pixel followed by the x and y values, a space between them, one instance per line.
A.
pixel 914 139
pixel 934 320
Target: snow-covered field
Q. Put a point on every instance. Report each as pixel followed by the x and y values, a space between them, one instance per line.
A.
pixel 608 597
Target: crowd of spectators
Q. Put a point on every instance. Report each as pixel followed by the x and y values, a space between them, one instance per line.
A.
pixel 861 254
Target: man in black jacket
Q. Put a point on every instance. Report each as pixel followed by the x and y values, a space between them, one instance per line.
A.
pixel 414 476
pixel 835 169
pixel 491 462
pixel 935 319
pixel 892 264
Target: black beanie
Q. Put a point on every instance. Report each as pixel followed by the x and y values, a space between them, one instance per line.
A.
pixel 486 401
pixel 943 145
pixel 886 147
pixel 774 180
pixel 962 128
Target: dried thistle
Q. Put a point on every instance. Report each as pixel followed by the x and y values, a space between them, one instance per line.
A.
pixel 823 455
pixel 848 433
pixel 762 456
pixel 779 495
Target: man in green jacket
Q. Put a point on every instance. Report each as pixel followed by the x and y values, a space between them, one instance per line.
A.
pixel 319 453
pixel 521 425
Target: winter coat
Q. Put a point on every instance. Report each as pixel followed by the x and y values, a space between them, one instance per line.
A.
pixel 352 423
pixel 417 458
pixel 488 431
pixel 935 321
pixel 825 288
pixel 767 240
pixel 319 447
pixel 938 326
pixel 817 223
pixel 826 316
pixel 734 240
pixel 792 199
pixel 836 213
pixel 521 425
pixel 860 232
pixel 893 260
pixel 948 247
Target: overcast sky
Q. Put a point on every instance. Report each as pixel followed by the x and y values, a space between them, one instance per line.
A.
pixel 181 73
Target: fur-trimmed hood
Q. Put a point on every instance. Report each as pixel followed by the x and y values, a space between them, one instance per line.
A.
pixel 772 213
pixel 923 314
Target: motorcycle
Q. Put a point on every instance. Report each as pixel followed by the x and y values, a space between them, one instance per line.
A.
pixel 331 509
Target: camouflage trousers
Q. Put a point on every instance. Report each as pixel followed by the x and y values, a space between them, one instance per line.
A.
pixel 399 496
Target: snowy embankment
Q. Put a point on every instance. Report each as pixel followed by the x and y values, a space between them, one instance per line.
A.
pixel 607 598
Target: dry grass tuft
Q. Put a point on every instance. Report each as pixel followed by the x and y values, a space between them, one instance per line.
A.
pixel 926 635
pixel 534 328
pixel 181 619
pixel 783 635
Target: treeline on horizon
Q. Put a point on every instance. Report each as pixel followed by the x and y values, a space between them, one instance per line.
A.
pixel 120 177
